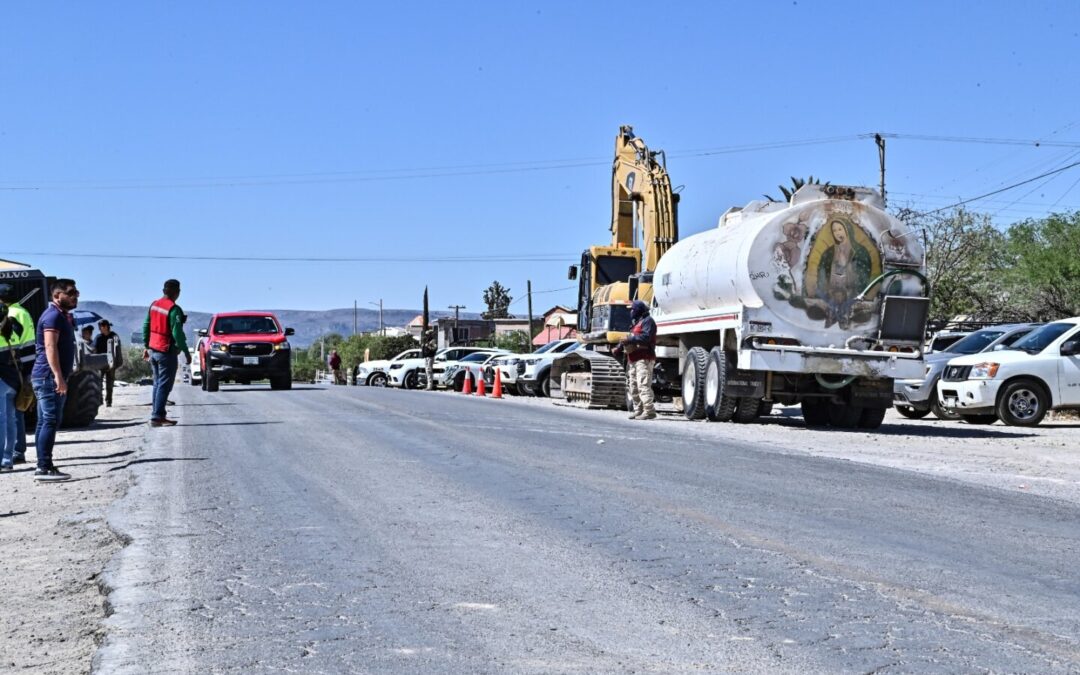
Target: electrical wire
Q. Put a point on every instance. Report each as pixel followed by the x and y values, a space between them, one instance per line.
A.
pixel 999 191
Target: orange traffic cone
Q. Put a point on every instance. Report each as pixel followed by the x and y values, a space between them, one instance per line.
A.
pixel 496 392
pixel 480 386
pixel 467 387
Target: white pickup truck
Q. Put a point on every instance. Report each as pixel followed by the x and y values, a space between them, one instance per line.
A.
pixel 1018 385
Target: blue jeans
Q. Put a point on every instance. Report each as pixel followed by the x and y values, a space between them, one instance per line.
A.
pixel 164 367
pixel 20 434
pixel 50 411
pixel 8 424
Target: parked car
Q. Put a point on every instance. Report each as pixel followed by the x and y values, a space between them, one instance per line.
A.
pixel 508 365
pixel 452 374
pixel 534 369
pixel 196 364
pixel 374 373
pixel 244 347
pixel 1018 385
pixel 405 373
pixel 944 339
pixel 916 399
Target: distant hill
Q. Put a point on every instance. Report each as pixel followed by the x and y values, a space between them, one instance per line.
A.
pixel 308 325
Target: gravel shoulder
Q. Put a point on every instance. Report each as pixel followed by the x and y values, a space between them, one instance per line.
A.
pixel 54 542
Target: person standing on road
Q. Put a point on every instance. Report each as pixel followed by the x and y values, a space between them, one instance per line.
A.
pixel 164 341
pixel 21 342
pixel 335 366
pixel 640 348
pixel 428 347
pixel 10 383
pixel 53 363
pixel 108 342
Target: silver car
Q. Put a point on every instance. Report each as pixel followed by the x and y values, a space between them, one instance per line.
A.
pixel 916 399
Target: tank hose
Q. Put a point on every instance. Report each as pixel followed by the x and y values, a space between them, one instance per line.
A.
pixel 833 386
pixel 892 273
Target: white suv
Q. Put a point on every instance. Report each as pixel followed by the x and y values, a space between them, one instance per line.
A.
pixel 533 369
pixel 405 373
pixel 1039 372
pixel 374 373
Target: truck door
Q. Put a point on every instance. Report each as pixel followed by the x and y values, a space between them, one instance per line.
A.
pixel 1069 372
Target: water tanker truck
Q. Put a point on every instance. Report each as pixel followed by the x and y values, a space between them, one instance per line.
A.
pixel 821 301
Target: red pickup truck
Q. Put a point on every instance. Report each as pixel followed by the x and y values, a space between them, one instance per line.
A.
pixel 243 347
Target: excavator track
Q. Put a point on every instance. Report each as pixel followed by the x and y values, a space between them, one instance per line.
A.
pixel 590 380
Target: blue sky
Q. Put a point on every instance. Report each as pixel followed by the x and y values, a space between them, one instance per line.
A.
pixel 317 130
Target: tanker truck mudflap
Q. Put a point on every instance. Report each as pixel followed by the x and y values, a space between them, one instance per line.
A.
pixel 589 379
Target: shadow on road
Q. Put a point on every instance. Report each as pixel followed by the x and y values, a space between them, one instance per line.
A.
pixel 227 424
pixel 159 459
pixel 114 455
pixel 957 430
pixel 13 514
pixel 118 424
pixel 91 440
pixel 267 388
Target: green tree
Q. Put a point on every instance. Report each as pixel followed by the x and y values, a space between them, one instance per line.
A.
pixel 497 298
pixel 1045 266
pixel 965 264
pixel 515 341
pixel 796 183
pixel 134 368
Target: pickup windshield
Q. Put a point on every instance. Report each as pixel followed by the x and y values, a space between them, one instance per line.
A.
pixel 245 325
pixel 1040 338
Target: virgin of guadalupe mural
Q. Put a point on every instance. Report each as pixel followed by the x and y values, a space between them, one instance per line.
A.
pixel 843 260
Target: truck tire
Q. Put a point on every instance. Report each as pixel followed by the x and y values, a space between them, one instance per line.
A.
pixel 83 399
pixel 1022 403
pixel 764 408
pixel 543 386
pixel 281 383
pixel 748 409
pixel 872 418
pixel 693 383
pixel 843 416
pixel 912 413
pixel 211 381
pixel 718 407
pixel 815 412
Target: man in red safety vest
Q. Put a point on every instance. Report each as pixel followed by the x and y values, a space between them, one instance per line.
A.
pixel 163 337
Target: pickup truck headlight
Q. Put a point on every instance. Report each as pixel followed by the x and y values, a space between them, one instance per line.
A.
pixel 282 346
pixel 219 347
pixel 984 371
pixel 531 362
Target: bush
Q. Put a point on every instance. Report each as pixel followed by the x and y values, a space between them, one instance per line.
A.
pixel 134 368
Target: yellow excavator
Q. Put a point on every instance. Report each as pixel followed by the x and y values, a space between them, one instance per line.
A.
pixel 644 225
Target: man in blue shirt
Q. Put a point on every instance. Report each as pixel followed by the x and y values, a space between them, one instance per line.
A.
pixel 55 359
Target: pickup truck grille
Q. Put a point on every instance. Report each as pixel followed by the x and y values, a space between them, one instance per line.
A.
pixel 956 373
pixel 251 349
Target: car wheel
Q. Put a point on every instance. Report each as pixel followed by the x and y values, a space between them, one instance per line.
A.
pixel 941 412
pixel 543 387
pixel 211 381
pixel 525 389
pixel 1022 403
pixel 377 380
pixel 410 381
pixel 693 383
pixel 912 413
pixel 988 418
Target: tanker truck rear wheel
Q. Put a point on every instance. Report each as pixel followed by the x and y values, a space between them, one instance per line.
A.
pixel 748 409
pixel 718 407
pixel 693 383
pixel 872 418
pixel 815 412
pixel 844 416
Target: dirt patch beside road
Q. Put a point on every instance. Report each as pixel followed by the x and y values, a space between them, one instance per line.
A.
pixel 54 542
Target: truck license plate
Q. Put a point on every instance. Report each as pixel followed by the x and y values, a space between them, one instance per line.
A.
pixel 251 360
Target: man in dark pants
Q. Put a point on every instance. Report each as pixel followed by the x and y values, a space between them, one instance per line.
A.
pixel 108 342
pixel 164 341
pixel 55 359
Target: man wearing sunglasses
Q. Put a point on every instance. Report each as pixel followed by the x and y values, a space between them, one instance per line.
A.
pixel 55 359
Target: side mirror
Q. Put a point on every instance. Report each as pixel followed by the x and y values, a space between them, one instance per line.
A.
pixel 290 331
pixel 202 332
pixel 1071 347
pixel 571 274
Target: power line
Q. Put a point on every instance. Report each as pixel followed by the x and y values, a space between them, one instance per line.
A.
pixel 1000 190
pixel 552 257
pixel 984 141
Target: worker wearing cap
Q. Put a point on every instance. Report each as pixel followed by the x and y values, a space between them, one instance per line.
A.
pixel 640 349
pixel 108 342
pixel 18 348
pixel 164 341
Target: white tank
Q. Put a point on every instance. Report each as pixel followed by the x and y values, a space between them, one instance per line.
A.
pixel 797 266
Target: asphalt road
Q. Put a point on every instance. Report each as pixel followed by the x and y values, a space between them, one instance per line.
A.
pixel 358 530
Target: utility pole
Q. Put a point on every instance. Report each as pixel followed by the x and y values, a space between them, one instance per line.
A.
pixel 382 330
pixel 354 317
pixel 457 309
pixel 881 161
pixel 528 287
